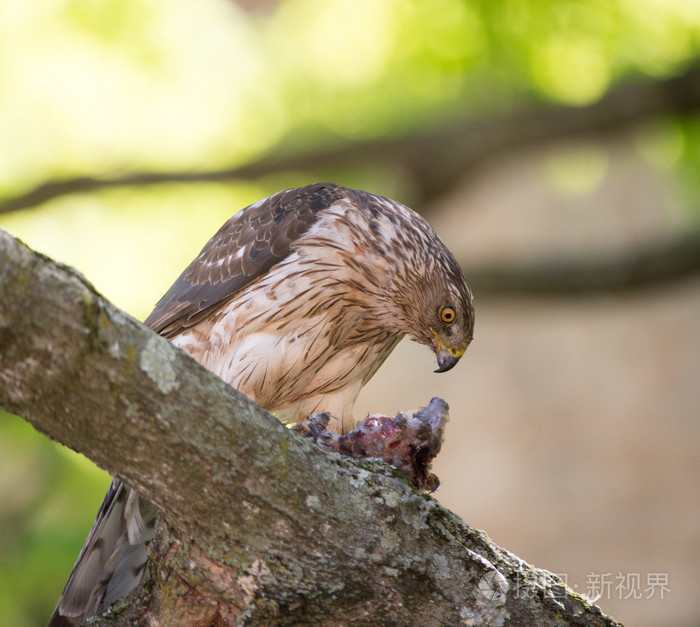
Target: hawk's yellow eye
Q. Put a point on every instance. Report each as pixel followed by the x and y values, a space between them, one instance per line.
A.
pixel 447 315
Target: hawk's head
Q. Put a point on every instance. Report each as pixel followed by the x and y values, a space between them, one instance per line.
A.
pixel 440 314
pixel 424 293
pixel 452 327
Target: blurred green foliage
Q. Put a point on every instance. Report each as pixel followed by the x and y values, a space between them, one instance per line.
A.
pixel 94 86
pixel 48 496
pixel 91 86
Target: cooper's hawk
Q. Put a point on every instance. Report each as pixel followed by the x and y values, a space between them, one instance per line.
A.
pixel 296 301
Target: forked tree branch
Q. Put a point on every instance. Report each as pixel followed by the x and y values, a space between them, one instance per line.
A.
pixel 256 524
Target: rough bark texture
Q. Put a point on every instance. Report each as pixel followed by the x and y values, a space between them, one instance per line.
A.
pixel 257 525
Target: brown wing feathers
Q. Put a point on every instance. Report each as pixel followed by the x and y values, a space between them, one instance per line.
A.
pixel 243 250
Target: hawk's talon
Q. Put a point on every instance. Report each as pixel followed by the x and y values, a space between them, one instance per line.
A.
pixel 432 483
pixel 313 429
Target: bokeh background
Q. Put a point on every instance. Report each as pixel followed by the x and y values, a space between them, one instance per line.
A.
pixel 554 145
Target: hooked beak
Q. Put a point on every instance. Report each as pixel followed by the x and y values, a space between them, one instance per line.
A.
pixel 446 360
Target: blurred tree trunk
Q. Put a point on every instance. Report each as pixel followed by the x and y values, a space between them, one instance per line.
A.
pixel 256 525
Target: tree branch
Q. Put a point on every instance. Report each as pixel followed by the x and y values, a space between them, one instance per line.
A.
pixel 256 524
pixel 648 266
pixel 435 158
